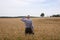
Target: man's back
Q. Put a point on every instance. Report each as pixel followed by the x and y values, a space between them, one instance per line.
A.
pixel 28 22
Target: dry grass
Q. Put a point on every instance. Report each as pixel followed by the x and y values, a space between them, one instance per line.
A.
pixel 44 29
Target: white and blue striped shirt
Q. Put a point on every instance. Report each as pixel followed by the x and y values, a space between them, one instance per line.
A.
pixel 28 22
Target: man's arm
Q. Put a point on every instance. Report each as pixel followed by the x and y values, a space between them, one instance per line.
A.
pixel 23 19
pixel 32 26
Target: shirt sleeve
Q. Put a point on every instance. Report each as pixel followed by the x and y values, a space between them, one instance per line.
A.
pixel 23 19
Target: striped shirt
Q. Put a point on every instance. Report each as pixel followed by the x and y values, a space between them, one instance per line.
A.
pixel 28 22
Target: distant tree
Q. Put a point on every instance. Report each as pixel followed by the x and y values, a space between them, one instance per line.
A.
pixel 42 14
pixel 55 15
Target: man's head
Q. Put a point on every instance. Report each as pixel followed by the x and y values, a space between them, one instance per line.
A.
pixel 28 17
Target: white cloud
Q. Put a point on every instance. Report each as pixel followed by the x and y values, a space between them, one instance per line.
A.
pixel 33 7
pixel 36 0
pixel 29 1
pixel 22 2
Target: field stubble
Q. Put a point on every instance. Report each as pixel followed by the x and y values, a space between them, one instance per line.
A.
pixel 44 29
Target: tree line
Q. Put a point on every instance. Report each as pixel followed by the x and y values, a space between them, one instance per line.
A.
pixel 57 15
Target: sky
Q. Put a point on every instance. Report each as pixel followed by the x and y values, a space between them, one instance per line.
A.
pixel 29 7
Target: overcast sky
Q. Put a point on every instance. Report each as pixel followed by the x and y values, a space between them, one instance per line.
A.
pixel 29 7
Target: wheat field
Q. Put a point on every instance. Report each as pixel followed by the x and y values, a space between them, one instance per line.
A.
pixel 44 29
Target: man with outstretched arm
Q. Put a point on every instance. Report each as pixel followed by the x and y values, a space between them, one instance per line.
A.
pixel 28 25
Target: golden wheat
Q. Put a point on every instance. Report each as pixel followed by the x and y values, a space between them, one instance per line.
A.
pixel 44 29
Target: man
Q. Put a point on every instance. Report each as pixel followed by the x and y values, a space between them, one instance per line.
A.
pixel 28 23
